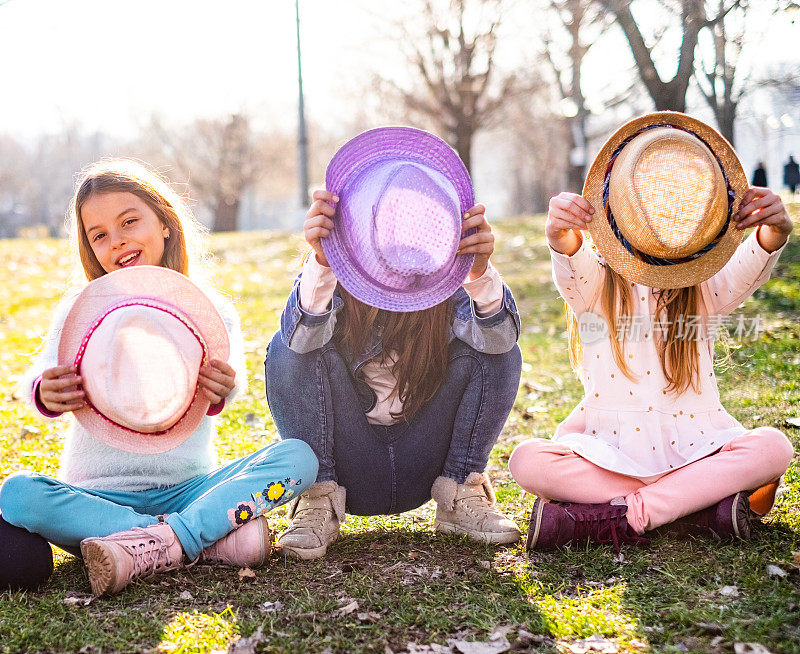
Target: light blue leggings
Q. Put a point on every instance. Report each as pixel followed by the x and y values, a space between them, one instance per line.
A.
pixel 200 510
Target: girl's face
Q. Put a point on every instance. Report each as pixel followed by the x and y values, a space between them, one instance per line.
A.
pixel 123 230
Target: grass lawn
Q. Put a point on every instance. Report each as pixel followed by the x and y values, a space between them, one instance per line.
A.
pixel 390 583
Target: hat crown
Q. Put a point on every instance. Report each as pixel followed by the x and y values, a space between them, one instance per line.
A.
pixel 667 193
pixel 415 220
pixel 140 368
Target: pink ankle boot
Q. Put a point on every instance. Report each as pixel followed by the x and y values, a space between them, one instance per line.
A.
pixel 247 546
pixel 115 561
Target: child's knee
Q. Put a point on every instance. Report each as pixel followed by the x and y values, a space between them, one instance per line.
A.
pixel 303 461
pixel 17 495
pixel 528 461
pixel 775 448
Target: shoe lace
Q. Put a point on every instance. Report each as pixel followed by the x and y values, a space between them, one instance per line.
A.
pixel 312 514
pixel 605 526
pixel 147 548
pixel 478 505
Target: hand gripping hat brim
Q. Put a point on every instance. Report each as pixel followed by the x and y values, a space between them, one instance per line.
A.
pixel 402 191
pixel 608 224
pixel 188 331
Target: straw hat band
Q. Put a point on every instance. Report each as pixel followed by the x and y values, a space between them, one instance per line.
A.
pixel 679 246
pixel 191 332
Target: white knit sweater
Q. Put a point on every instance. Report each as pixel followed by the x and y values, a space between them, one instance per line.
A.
pixel 89 463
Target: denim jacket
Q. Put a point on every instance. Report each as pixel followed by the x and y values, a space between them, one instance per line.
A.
pixel 304 332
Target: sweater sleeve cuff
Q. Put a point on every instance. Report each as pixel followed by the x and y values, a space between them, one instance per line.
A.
pixel 486 292
pixel 37 402
pixel 317 284
pixel 216 409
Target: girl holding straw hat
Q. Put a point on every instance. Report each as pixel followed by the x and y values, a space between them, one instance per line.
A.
pixel 143 357
pixel 396 359
pixel 666 203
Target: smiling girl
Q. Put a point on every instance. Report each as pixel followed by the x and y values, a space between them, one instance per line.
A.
pixel 134 513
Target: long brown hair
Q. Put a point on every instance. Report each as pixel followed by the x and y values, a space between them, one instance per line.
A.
pixel 418 339
pixel 677 345
pixel 185 247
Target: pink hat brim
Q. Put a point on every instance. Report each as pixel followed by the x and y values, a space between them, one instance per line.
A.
pixel 152 283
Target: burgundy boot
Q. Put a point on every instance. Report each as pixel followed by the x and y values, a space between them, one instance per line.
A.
pixel 555 524
pixel 728 518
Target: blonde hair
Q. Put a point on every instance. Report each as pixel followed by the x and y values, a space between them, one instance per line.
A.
pixel 678 353
pixel 185 251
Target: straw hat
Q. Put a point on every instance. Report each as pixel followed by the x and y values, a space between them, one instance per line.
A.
pixel 665 187
pixel 138 337
pixel 402 195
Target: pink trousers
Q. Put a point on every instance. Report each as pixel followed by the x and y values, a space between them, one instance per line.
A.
pixel 553 471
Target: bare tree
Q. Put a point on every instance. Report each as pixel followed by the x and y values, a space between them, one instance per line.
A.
pixel 456 83
pixel 565 53
pixel 692 16
pixel 716 78
pixel 220 159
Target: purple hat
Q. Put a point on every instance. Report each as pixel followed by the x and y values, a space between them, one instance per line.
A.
pixel 402 195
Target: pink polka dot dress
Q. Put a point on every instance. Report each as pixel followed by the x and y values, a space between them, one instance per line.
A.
pixel 637 428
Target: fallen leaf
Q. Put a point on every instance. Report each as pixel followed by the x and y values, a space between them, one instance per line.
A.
pixel 270 607
pixel 247 645
pixel 794 421
pixel 710 627
pixel 78 599
pixel 750 648
pixel 729 591
pixel 796 557
pixel 246 573
pixel 775 571
pixel 495 646
pixel 485 564
pixel 345 610
pixel 716 641
pixel 595 643
pixel 186 595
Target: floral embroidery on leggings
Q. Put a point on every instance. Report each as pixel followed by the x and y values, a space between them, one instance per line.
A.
pixel 243 513
pixel 273 494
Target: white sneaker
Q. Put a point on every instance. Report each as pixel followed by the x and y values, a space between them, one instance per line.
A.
pixel 470 508
pixel 316 517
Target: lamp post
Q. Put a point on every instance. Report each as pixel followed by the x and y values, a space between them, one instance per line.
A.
pixel 302 139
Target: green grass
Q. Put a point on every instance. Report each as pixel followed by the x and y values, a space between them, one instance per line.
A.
pixel 414 587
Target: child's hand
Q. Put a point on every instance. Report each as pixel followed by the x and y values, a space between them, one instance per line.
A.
pixel 481 243
pixel 60 389
pixel 568 214
pixel 762 207
pixel 216 380
pixel 319 221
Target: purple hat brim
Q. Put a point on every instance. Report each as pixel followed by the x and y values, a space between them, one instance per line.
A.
pixel 400 144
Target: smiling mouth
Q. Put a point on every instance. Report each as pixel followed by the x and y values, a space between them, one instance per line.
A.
pixel 129 259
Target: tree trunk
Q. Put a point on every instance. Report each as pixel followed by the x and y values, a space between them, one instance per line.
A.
pixel 726 116
pixel 226 215
pixel 463 144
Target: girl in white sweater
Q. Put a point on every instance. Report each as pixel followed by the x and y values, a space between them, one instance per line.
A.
pixel 130 513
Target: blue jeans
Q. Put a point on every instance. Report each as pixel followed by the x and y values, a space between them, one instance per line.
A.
pixel 200 510
pixel 389 469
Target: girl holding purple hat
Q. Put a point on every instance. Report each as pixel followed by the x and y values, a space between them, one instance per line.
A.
pixel 142 358
pixel 396 360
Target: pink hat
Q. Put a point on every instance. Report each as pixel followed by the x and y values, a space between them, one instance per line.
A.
pixel 139 336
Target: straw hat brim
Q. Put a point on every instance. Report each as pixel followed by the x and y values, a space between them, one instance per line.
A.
pixel 677 275
pixel 150 283
pixel 397 143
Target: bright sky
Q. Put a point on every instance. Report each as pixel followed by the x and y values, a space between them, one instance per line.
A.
pixel 108 65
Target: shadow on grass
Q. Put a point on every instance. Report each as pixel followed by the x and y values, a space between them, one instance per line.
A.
pixel 408 586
